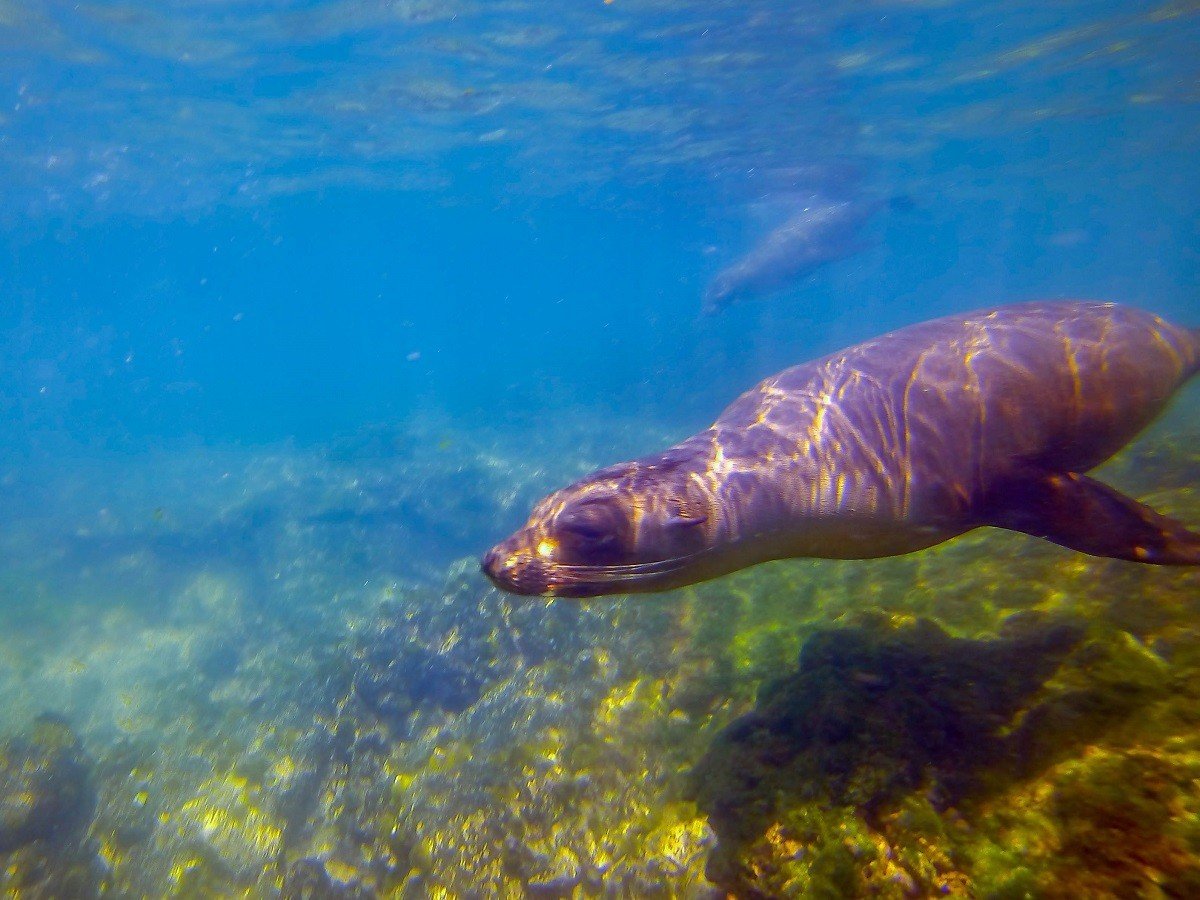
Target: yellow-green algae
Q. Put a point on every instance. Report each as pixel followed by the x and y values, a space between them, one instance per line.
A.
pixel 565 773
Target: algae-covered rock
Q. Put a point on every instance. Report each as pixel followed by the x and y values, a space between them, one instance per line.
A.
pixel 901 761
pixel 871 714
pixel 45 791
pixel 1107 822
pixel 400 678
pixel 1125 828
pixel 46 804
pixel 306 879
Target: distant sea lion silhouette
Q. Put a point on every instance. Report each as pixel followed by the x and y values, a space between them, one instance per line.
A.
pixel 887 447
pixel 820 231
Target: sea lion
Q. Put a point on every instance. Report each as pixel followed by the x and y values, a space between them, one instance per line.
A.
pixel 820 231
pixel 816 231
pixel 890 446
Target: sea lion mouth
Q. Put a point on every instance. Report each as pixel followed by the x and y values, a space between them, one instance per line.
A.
pixel 565 580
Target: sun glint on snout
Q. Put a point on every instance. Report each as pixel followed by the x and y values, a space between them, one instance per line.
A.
pixel 515 570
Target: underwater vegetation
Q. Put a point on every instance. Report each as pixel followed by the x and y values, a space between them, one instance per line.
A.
pixel 877 714
pixel 996 717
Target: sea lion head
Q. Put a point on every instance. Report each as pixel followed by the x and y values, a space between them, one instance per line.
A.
pixel 635 527
pixel 721 291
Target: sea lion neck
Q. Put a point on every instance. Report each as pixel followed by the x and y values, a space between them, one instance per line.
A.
pixel 729 471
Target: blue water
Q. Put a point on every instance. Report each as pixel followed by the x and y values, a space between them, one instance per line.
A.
pixel 337 289
pixel 235 221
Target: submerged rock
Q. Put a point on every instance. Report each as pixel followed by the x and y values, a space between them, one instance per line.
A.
pixel 45 790
pixel 873 713
pixel 1122 828
pixel 306 879
pixel 398 679
pixel 46 804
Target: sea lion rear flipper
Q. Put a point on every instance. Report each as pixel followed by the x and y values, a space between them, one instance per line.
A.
pixel 1086 515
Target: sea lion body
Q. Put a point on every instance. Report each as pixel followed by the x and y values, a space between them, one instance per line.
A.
pixel 886 447
pixel 819 232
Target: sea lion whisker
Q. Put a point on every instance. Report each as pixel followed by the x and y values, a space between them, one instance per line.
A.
pixel 612 578
pixel 635 568
pixel 616 575
pixel 623 573
pixel 625 567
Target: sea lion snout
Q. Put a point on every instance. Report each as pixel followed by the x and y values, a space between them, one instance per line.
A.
pixel 491 564
pixel 513 568
pixel 562 546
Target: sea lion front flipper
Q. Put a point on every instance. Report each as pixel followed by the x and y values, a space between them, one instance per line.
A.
pixel 1083 514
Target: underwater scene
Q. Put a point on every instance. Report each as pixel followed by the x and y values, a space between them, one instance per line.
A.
pixel 364 526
